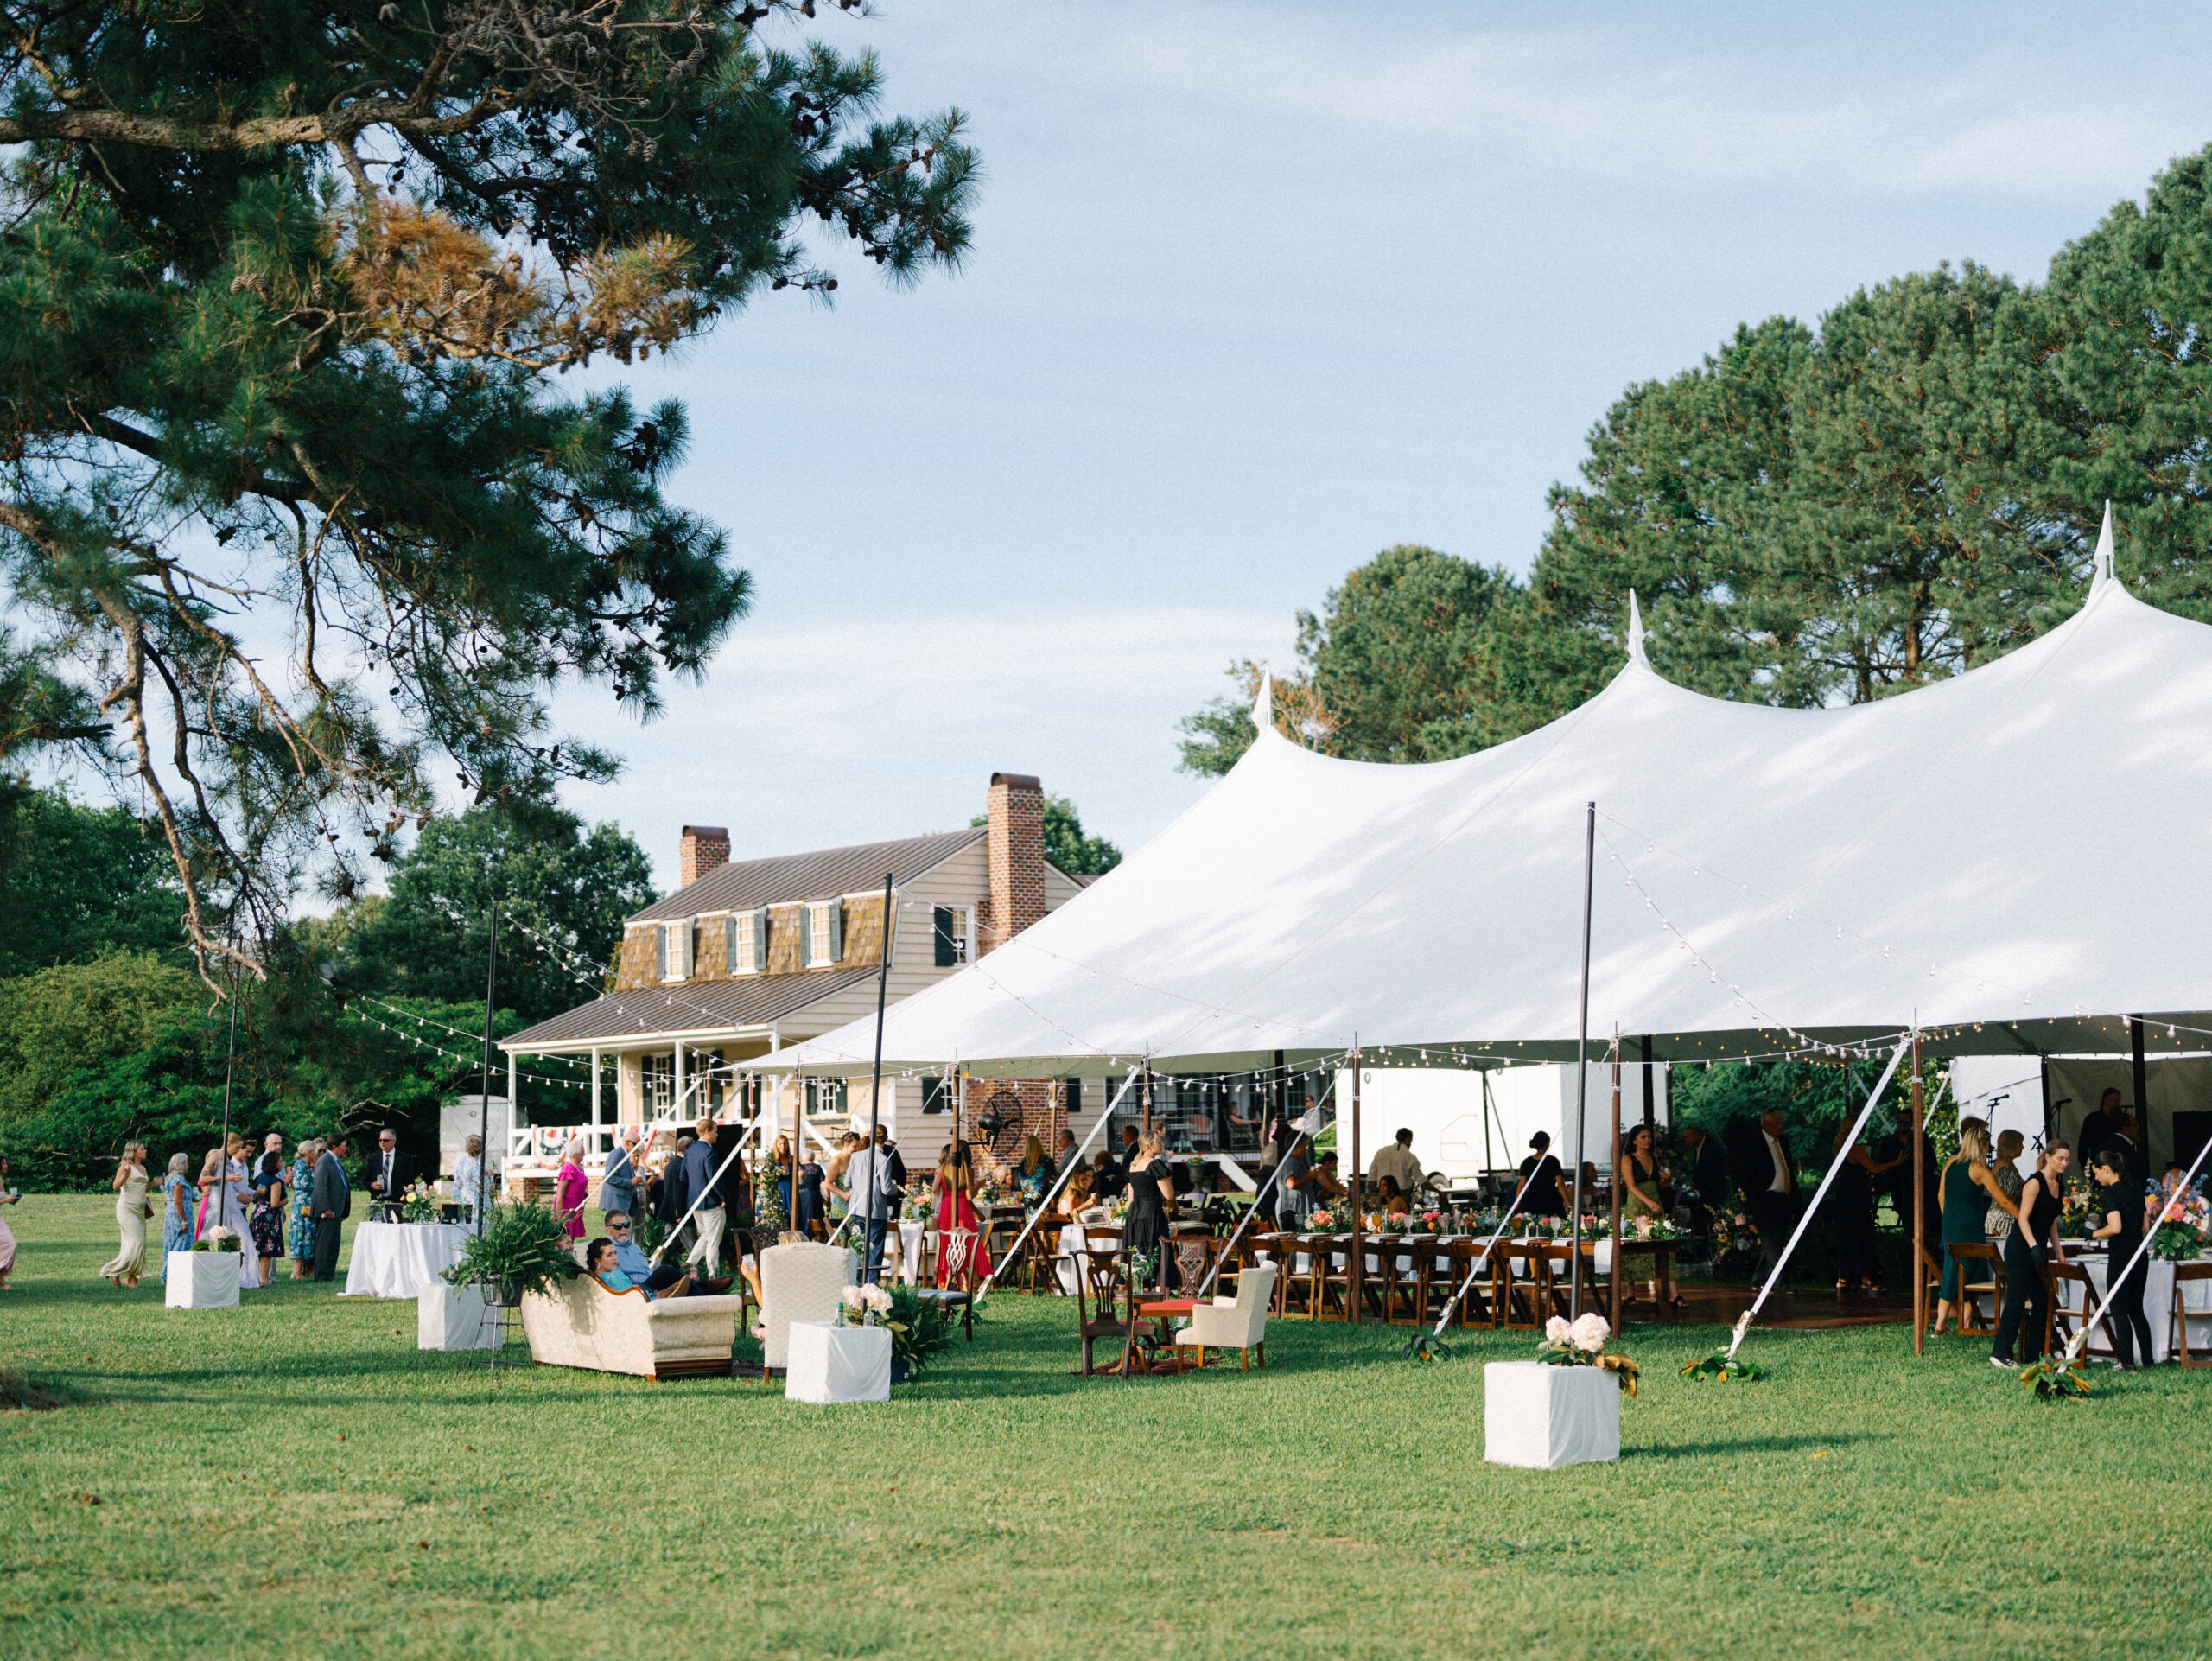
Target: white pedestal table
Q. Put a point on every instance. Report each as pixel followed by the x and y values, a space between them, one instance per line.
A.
pixel 397 1260
pixel 837 1364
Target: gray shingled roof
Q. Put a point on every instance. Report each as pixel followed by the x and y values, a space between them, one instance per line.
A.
pixel 749 884
pixel 691 1006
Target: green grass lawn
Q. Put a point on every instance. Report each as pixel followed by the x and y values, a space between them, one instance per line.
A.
pixel 295 1479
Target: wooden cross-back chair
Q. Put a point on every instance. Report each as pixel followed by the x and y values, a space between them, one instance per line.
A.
pixel 2185 1276
pixel 1105 1304
pixel 956 1256
pixel 1981 1274
pixel 1522 1288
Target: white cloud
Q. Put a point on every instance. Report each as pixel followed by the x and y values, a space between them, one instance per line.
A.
pixel 820 732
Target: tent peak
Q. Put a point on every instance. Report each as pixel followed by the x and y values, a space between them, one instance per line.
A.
pixel 1263 706
pixel 1635 632
pixel 2102 573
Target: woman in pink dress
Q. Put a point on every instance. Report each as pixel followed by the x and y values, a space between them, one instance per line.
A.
pixel 955 1210
pixel 570 1185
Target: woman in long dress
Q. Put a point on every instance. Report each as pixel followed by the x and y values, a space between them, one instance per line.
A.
pixel 236 1212
pixel 131 1212
pixel 569 1185
pixel 210 1192
pixel 956 1211
pixel 178 1196
pixel 268 1223
pixel 7 1197
pixel 299 1220
pixel 1969 1188
pixel 1152 1191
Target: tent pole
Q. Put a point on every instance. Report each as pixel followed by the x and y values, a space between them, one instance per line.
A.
pixel 1582 1051
pixel 1353 1275
pixel 1650 1099
pixel 1488 1157
pixel 1614 1279
pixel 484 1090
pixel 2142 1083
pixel 1919 1204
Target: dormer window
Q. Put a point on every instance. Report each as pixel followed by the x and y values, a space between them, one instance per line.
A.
pixel 745 941
pixel 672 950
pixel 822 932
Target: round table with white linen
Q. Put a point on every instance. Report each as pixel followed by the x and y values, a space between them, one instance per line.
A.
pixel 397 1260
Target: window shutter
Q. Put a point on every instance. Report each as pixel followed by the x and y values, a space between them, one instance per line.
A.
pixel 836 909
pixel 683 944
pixel 805 935
pixel 760 939
pixel 660 952
pixel 1075 1098
pixel 942 918
pixel 729 944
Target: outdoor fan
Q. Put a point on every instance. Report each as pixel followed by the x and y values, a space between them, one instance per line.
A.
pixel 1000 1119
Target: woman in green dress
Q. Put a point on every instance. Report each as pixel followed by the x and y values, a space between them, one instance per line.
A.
pixel 1969 1188
pixel 299 1221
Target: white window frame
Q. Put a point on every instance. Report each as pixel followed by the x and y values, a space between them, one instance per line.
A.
pixel 744 951
pixel 677 945
pixel 821 932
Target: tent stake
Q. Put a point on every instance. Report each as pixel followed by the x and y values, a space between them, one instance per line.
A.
pixel 1582 1051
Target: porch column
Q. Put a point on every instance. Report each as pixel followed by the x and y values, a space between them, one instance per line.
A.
pixel 678 1085
pixel 597 1115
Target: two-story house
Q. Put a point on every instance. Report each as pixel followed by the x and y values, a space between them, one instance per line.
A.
pixel 743 957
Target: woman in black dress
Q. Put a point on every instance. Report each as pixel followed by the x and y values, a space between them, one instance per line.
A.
pixel 1540 1194
pixel 2119 1218
pixel 2032 1243
pixel 1152 1191
pixel 1853 1204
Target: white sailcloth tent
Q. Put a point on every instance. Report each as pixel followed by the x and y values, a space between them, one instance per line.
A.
pixel 2015 858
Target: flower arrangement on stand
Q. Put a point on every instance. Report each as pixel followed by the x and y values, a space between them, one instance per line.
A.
pixel 919 1205
pixel 869 1306
pixel 1581 1343
pixel 1433 1221
pixel 1651 1228
pixel 420 1204
pixel 219 1239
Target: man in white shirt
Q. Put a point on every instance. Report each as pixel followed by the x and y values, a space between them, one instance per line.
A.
pixel 1396 1166
pixel 1774 1202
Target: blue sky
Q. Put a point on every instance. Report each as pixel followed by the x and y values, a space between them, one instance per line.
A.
pixel 1257 290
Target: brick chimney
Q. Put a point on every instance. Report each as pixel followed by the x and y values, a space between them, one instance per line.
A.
pixel 1016 844
pixel 702 848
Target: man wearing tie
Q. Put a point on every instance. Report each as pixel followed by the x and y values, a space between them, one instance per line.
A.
pixel 330 1199
pixel 618 1189
pixel 391 1172
pixel 1774 1202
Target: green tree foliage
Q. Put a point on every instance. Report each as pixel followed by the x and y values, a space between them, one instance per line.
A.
pixel 1066 845
pixel 57 1020
pixel 1829 515
pixel 286 286
pixel 76 881
pixel 429 938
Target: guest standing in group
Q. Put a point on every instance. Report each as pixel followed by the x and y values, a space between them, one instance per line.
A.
pixel 1970 1189
pixel 712 1215
pixel 1642 1195
pixel 2119 1224
pixel 211 1191
pixel 8 1196
pixel 813 1208
pixel 1151 1196
pixel 1395 1172
pixel 2032 1243
pixel 956 1211
pixel 835 1182
pixel 267 1223
pixel 237 1212
pixel 333 1201
pixel 299 1209
pixel 2004 1166
pixel 618 1188
pixel 868 1186
pixel 391 1173
pixel 178 1199
pixel 570 1185
pixel 1852 1203
pixel 2099 1126
pixel 475 1186
pixel 1770 1183
pixel 1541 1195
pixel 772 1186
pixel 1294 1168
pixel 131 1212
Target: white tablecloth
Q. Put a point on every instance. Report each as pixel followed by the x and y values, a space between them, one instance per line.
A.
pixel 2158 1309
pixel 838 1364
pixel 397 1260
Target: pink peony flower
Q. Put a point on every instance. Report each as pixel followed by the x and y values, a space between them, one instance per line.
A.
pixel 1557 1333
pixel 1589 1332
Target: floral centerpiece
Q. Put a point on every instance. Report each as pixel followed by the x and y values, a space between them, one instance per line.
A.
pixel 420 1204
pixel 867 1305
pixel 1650 1228
pixel 219 1239
pixel 918 1207
pixel 2184 1224
pixel 1581 1343
pixel 992 1191
pixel 2076 1210
pixel 1328 1220
pixel 1433 1221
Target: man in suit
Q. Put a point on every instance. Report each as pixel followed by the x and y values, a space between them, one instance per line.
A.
pixel 1770 1183
pixel 1708 1176
pixel 330 1198
pixel 2098 1128
pixel 392 1171
pixel 618 1189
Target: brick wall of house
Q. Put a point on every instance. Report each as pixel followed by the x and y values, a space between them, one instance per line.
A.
pixel 1016 841
pixel 1029 1107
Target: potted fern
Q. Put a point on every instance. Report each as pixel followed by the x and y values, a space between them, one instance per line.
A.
pixel 522 1249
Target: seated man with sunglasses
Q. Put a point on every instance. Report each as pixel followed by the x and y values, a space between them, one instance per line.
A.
pixel 671 1280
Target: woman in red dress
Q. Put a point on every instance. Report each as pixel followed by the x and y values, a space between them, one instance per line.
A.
pixel 569 1185
pixel 955 1210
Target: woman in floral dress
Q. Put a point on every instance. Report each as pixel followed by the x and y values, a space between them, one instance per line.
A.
pixel 178 1197
pixel 299 1222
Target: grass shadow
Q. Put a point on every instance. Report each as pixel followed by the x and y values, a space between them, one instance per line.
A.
pixel 1751 1445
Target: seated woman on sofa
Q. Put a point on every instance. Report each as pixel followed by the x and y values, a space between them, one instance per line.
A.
pixel 615 1261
